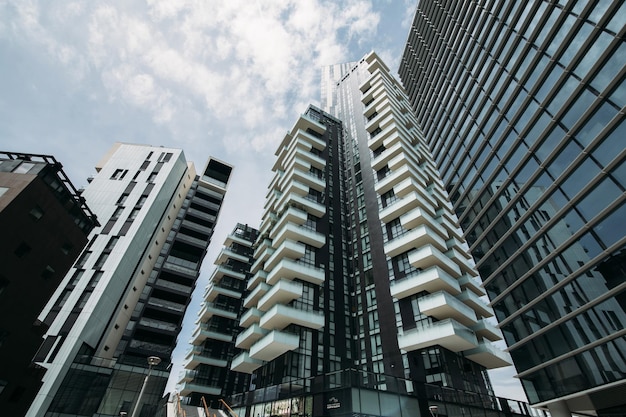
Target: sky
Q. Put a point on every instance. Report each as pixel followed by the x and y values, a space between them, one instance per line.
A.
pixel 216 78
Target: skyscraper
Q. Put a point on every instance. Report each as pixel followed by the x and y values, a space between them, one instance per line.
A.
pixel 124 299
pixel 45 223
pixel 521 104
pixel 207 363
pixel 364 296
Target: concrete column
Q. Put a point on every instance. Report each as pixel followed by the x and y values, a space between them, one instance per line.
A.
pixel 559 409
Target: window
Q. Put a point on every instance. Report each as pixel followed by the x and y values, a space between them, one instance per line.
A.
pixel 4 283
pixel 23 168
pixel 119 174
pixel 2 191
pixel 22 250
pixel 122 199
pixel 48 272
pixel 101 260
pixel 67 248
pixel 36 213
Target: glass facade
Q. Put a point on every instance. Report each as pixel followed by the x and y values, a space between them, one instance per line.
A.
pixel 520 103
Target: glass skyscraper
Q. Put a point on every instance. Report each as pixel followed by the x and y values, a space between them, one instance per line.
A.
pixel 522 105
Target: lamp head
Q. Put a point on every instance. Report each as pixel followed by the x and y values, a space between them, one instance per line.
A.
pixel 154 360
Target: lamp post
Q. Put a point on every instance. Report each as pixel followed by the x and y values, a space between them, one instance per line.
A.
pixel 152 361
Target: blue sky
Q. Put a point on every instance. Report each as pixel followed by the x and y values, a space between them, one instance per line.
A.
pixel 221 78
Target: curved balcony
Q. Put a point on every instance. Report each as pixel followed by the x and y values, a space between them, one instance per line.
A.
pixel 430 280
pixel 449 334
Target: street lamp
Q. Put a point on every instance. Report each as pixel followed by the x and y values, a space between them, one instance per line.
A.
pixel 434 410
pixel 152 361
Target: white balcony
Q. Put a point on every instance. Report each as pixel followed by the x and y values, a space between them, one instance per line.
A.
pixel 194 357
pixel 290 215
pixel 419 216
pixel 379 139
pixel 287 249
pixel 255 295
pixel 309 206
pixel 202 333
pixel 222 270
pixel 467 265
pixel 413 239
pixel 231 238
pixel 187 375
pixel 273 345
pixel 209 310
pixel 260 250
pixel 383 159
pixel 430 280
pixel 226 253
pixel 299 234
pixel 442 305
pixel 311 158
pixel 280 316
pixel 290 269
pixel 450 334
pixel 188 388
pixel 469 283
pixel 293 189
pixel 428 256
pixel 249 336
pixel 472 300
pixel 309 179
pixel 251 316
pixel 244 363
pixel 487 330
pixel 213 290
pixel 415 184
pixel 281 293
pixel 400 207
pixel 488 356
pixel 259 277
